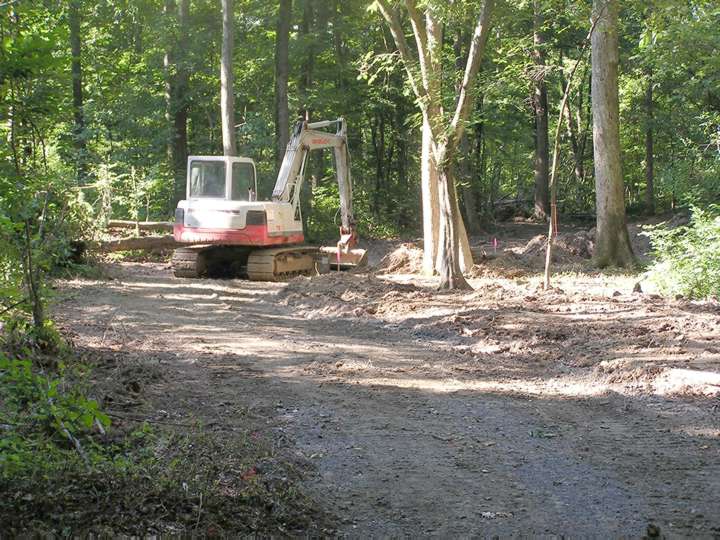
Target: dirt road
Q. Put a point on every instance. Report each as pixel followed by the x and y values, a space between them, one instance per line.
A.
pixel 406 433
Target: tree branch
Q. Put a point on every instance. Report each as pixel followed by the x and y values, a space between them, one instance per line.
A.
pixel 424 100
pixel 477 49
pixel 434 30
pixel 421 39
pixel 393 20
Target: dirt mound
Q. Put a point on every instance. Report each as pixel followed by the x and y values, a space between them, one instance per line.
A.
pixel 407 259
pixel 344 293
pixel 506 265
pixel 567 246
pixel 569 249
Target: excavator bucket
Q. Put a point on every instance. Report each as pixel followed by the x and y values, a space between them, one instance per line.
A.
pixel 341 259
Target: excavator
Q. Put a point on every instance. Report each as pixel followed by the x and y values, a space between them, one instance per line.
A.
pixel 230 233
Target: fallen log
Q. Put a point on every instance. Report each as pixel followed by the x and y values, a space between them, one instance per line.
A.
pixel 141 225
pixel 139 242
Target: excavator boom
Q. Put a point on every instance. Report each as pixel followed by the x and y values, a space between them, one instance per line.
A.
pixel 305 138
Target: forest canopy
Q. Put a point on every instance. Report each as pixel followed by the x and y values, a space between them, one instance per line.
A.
pixel 138 63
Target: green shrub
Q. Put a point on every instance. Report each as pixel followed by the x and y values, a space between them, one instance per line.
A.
pixel 40 412
pixel 687 258
pixel 66 472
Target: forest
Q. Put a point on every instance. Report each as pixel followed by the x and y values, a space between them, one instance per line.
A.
pixel 536 185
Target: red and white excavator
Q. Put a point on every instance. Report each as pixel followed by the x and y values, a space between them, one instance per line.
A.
pixel 232 233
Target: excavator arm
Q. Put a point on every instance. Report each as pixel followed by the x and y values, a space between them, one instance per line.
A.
pixel 305 138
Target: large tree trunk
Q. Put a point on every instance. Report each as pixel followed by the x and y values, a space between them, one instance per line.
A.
pixel 282 71
pixel 227 96
pixel 77 90
pixel 612 243
pixel 451 276
pixel 430 205
pixel 182 104
pixel 649 153
pixel 540 105
pixel 429 176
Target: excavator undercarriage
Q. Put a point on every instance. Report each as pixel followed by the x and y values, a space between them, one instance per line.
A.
pixel 265 264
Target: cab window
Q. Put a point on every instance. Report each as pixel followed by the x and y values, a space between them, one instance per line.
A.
pixel 207 179
pixel 243 180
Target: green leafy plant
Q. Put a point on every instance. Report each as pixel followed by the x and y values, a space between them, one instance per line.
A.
pixel 687 258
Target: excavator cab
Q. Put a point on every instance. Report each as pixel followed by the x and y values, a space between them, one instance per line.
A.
pixel 229 178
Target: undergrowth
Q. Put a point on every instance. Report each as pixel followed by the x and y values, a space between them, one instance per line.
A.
pixel 687 258
pixel 66 469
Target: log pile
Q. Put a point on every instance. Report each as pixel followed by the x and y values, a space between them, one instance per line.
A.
pixel 138 242
pixel 140 225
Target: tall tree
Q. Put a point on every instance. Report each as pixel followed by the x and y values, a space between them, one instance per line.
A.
pixel 445 133
pixel 77 90
pixel 176 92
pixel 649 150
pixel 227 96
pixel 308 64
pixel 612 242
pixel 282 72
pixel 540 107
pixel 429 179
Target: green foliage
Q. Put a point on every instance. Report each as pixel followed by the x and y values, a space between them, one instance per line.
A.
pixel 42 412
pixel 20 338
pixel 66 471
pixel 687 258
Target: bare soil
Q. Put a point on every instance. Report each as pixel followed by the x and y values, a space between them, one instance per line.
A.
pixel 585 411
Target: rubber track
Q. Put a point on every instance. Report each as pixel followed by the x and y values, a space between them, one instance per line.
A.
pixel 187 263
pixel 273 264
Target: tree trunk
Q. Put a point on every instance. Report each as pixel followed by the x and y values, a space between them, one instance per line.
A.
pixel 140 225
pixel 176 90
pixel 169 14
pixel 181 104
pixel 649 153
pixel 442 135
pixel 466 258
pixel 451 276
pixel 282 72
pixel 429 175
pixel 77 90
pixel 430 205
pixel 308 64
pixel 227 96
pixel 612 243
pixel 141 242
pixel 540 106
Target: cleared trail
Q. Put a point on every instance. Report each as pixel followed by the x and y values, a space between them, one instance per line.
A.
pixel 397 450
